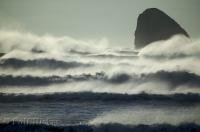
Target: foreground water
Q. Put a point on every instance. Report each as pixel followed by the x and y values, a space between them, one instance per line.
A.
pixel 95 112
pixel 84 86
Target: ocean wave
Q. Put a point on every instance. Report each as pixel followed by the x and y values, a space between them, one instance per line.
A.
pixel 178 46
pixel 174 79
pixel 12 40
pixel 90 96
pixel 9 80
pixel 174 56
pixel 40 63
pixel 22 127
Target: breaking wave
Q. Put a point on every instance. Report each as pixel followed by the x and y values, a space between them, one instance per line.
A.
pixel 173 79
pixel 47 69
pixel 178 46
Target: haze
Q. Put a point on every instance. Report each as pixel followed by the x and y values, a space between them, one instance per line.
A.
pixel 92 19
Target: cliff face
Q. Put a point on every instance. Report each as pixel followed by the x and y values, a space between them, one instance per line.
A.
pixel 154 25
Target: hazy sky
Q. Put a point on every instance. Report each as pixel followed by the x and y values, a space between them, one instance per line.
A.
pixel 93 19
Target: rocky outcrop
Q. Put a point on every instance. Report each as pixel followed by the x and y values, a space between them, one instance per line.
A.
pixel 2 54
pixel 154 25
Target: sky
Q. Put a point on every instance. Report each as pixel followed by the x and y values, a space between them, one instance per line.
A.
pixel 93 19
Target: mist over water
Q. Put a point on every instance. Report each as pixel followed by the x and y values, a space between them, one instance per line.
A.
pixel 150 115
pixel 157 84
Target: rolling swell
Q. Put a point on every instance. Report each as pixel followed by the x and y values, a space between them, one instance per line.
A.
pixel 90 96
pixel 40 63
pixel 176 78
pixel 17 126
pixel 173 79
pixel 9 80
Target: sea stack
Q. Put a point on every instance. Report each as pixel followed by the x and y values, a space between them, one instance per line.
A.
pixel 2 54
pixel 154 25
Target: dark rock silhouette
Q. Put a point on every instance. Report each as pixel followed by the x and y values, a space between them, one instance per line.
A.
pixel 2 54
pixel 154 25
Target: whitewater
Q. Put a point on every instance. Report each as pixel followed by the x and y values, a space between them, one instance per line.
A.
pixel 74 81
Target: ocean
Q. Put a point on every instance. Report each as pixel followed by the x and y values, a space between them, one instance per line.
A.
pixel 159 84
